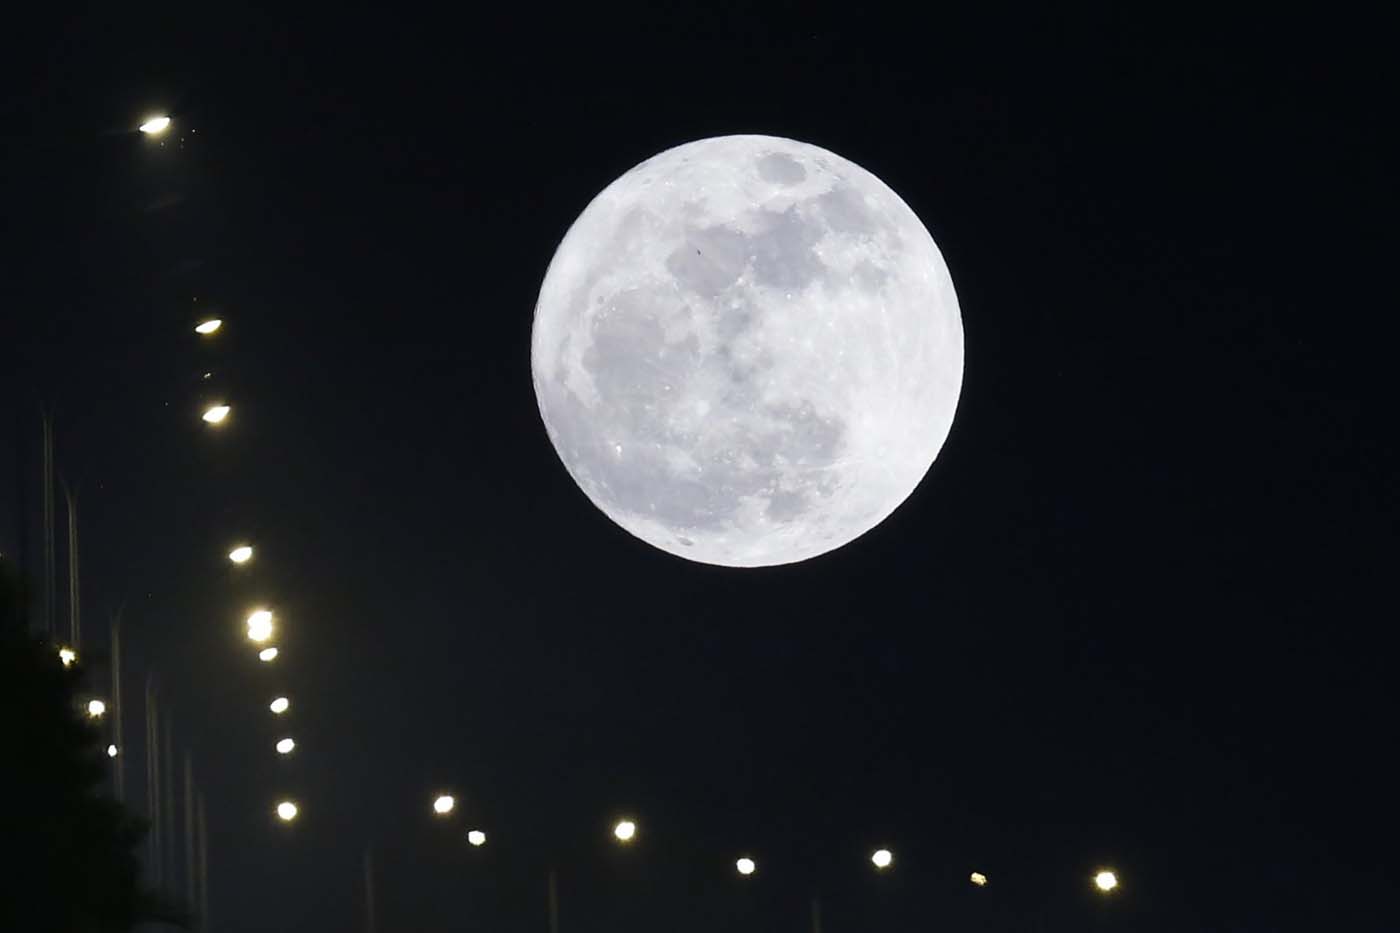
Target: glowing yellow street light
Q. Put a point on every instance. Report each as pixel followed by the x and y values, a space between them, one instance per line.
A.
pixel 111 751
pixel 978 879
pixel 67 657
pixel 155 126
pixel 882 859
pixel 241 554
pixel 1105 881
pixel 279 705
pixel 285 746
pixel 260 625
pixel 267 654
pixel 746 866
pixel 205 328
pixel 625 831
pixel 96 708
pixel 444 804
pixel 476 838
pixel 215 414
pixel 286 811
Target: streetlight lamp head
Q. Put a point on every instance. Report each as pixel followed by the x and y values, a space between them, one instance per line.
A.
pixel 285 746
pixel 444 804
pixel 67 657
pixel 746 866
pixel 111 751
pixel 267 654
pixel 279 705
pixel 241 554
pixel 625 831
pixel 1106 881
pixel 205 328
pixel 215 414
pixel 476 838
pixel 96 708
pixel 882 859
pixel 155 126
pixel 978 879
pixel 286 811
pixel 260 625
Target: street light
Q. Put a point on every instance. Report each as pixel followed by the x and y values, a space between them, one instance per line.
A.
pixel 111 751
pixel 215 414
pixel 1105 881
pixel 625 831
pixel 279 705
pixel 978 879
pixel 155 126
pixel 476 838
pixel 285 746
pixel 267 654
pixel 241 554
pixel 205 328
pixel 67 657
pixel 286 811
pixel 96 708
pixel 746 866
pixel 260 625
pixel 444 804
pixel 882 859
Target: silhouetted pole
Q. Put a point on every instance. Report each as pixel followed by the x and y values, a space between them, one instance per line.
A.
pixel 49 583
pixel 553 901
pixel 369 890
pixel 153 783
pixel 816 916
pixel 189 833
pixel 118 763
pixel 204 924
pixel 75 618
pixel 167 820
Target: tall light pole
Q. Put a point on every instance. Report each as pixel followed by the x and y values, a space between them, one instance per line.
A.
pixel 118 775
pixel 204 924
pixel 153 783
pixel 189 834
pixel 74 600
pixel 50 585
pixel 369 890
pixel 553 901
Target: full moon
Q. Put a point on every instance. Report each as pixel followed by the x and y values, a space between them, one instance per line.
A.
pixel 747 351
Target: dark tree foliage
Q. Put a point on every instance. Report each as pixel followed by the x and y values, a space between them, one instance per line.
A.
pixel 70 849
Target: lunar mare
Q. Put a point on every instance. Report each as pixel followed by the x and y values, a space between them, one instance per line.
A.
pixel 747 351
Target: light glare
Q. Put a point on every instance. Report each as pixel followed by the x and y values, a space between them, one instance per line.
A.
pixel 111 751
pixel 280 704
pixel 241 554
pixel 260 625
pixel 625 831
pixel 1106 881
pixel 155 126
pixel 208 327
pixel 96 708
pixel 477 838
pixel 444 804
pixel 216 414
pixel 883 859
pixel 67 656
pixel 746 866
pixel 267 654
pixel 285 746
pixel 287 811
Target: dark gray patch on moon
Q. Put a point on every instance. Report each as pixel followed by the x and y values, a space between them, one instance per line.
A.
pixel 780 168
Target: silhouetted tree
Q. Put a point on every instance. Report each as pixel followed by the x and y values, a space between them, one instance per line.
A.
pixel 70 850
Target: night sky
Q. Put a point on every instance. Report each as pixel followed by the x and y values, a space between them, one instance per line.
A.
pixel 1139 614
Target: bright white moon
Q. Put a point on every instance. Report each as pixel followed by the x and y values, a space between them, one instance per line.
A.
pixel 747 351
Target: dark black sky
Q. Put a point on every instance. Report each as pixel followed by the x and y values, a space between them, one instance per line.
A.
pixel 1139 613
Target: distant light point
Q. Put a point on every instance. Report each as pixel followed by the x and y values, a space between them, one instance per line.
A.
pixel 476 838
pixel 67 657
pixel 215 414
pixel 746 866
pixel 111 751
pixel 286 811
pixel 241 554
pixel 882 859
pixel 625 831
pixel 1106 881
pixel 267 654
pixel 260 625
pixel 96 708
pixel 285 746
pixel 444 804
pixel 978 879
pixel 155 126
pixel 279 705
pixel 205 328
